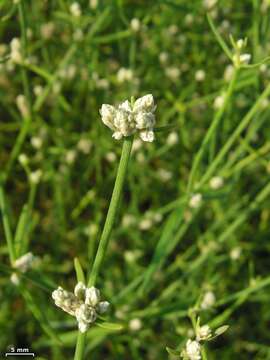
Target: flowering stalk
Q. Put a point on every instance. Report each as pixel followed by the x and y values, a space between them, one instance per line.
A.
pixel 109 222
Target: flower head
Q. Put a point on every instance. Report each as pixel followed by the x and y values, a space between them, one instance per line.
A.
pixel 192 350
pixel 128 119
pixel 84 304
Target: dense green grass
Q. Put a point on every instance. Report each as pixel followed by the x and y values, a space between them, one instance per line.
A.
pixel 166 251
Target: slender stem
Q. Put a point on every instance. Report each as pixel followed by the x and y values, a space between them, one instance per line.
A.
pixel 235 135
pixel 211 131
pixel 204 353
pixel 6 225
pixel 80 346
pixel 105 236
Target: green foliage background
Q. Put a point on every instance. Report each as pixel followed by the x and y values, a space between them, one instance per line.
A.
pixel 159 273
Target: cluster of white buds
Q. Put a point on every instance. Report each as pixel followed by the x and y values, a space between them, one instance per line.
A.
pixel 128 119
pixel 240 58
pixel 192 350
pixel 15 51
pixel 84 304
pixel 203 333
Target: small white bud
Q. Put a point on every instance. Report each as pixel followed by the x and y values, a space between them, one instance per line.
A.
pixel 35 177
pixel 135 25
pixel 103 307
pixel 36 142
pixel 203 333
pixel 208 300
pixel 172 139
pixel 75 9
pixel 195 201
pixel 200 75
pixel 79 290
pixel 135 324
pixel 216 182
pixel 23 159
pixel 92 296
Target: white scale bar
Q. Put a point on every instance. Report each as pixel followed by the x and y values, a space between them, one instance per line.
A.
pixel 19 354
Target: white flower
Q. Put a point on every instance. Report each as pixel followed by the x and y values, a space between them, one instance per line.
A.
pixel 24 262
pixel 195 201
pixel 235 253
pixel 135 24
pixel 70 156
pixel 124 74
pixel 38 90
pixel 173 73
pixel 245 58
pixel 110 157
pixel 172 139
pixel 23 159
pixel 163 58
pixel 93 4
pixel 209 4
pixel 216 182
pixel 75 9
pixel 200 75
pixel 208 300
pixel 15 53
pixel 164 175
pixel 36 142
pixel 203 333
pixel 193 350
pixel 135 324
pixel 219 102
pixel 126 119
pixel 84 304
pixel 84 145
pixel 128 220
pixel 35 177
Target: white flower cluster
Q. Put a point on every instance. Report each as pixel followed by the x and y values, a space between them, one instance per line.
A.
pixel 193 350
pixel 84 304
pixel 15 53
pixel 128 119
pixel 240 58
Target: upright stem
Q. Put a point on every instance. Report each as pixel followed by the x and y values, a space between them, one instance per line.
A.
pixel 105 236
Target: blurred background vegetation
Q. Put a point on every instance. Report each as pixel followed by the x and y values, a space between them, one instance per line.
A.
pixel 59 63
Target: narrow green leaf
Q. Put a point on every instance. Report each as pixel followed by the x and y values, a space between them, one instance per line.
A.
pixel 79 271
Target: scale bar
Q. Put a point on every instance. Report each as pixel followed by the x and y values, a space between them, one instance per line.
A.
pixel 19 354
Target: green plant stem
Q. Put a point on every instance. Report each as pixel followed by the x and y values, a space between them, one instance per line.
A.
pixel 80 346
pixel 235 135
pixel 211 131
pixel 6 225
pixel 105 236
pixel 117 191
